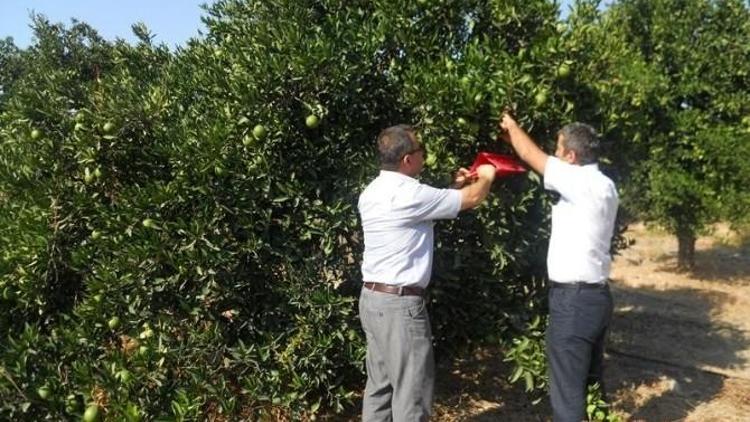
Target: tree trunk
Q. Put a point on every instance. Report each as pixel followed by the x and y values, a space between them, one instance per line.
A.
pixel 686 249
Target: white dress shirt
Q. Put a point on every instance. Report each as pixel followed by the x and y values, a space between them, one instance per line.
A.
pixel 582 222
pixel 397 217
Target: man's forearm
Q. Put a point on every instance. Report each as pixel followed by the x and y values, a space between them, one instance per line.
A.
pixel 527 149
pixel 473 194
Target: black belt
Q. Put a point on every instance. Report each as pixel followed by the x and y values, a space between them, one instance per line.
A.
pixel 578 285
pixel 395 290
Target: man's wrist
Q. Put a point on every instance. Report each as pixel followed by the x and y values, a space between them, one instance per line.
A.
pixel 515 130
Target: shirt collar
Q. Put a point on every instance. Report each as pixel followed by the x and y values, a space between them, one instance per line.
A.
pixel 592 166
pixel 396 175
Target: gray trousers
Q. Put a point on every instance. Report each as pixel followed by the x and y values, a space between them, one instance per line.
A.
pixel 400 361
pixel 579 319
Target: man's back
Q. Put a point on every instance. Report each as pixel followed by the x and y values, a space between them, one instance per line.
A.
pixel 582 222
pixel 397 217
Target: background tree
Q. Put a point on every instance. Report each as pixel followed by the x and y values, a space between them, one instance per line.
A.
pixel 691 170
pixel 11 67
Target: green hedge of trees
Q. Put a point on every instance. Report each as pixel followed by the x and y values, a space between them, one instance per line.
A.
pixel 178 229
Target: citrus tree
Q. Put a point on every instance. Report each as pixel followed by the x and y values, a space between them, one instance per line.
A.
pixel 179 229
pixel 11 66
pixel 692 172
pixel 601 79
pixel 72 133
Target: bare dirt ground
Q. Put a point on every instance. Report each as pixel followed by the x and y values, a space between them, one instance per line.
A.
pixel 679 347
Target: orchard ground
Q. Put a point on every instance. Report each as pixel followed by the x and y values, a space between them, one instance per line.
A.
pixel 679 348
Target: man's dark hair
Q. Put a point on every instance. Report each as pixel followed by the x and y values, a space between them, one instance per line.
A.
pixel 393 143
pixel 583 140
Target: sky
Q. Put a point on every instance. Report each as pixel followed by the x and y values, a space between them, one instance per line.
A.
pixel 173 22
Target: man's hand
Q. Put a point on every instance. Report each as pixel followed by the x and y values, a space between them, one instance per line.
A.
pixel 474 194
pixel 462 178
pixel 506 125
pixel 522 143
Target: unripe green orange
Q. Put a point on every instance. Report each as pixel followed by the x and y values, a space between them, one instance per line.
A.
pixel 114 323
pixel 540 98
pixel 44 392
pixel 259 131
pixel 91 414
pixel 312 121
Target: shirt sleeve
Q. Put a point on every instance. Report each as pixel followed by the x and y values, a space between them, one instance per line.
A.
pixel 428 203
pixel 563 178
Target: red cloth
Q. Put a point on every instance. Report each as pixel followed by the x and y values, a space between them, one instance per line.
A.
pixel 505 165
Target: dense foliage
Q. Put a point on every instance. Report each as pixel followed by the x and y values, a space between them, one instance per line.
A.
pixel 179 232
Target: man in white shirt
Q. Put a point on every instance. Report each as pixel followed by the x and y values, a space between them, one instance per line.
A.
pixel 398 215
pixel 578 260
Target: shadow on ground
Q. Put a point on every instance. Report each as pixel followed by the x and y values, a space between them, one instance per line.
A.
pixel 667 354
pixel 719 262
pixel 476 389
pixel 666 357
pixel 723 262
pixel 665 346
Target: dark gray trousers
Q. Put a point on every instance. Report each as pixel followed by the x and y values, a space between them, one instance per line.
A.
pixel 579 319
pixel 400 362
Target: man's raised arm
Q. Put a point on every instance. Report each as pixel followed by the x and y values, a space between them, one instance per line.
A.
pixel 522 143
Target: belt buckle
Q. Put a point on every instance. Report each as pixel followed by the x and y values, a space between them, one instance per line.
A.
pixel 400 290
